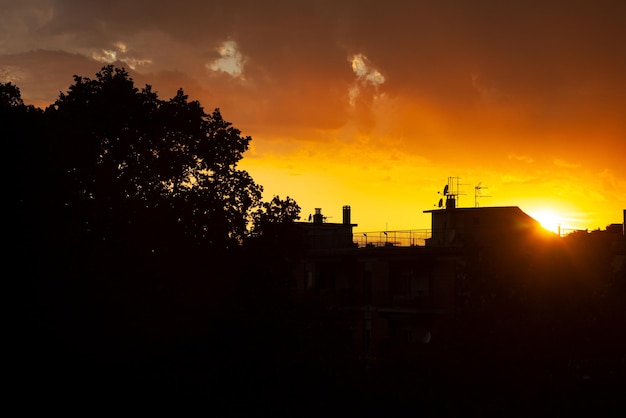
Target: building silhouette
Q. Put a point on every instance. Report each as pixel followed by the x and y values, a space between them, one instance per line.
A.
pixel 480 226
pixel 395 297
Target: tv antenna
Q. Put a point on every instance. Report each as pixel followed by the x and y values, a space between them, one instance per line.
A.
pixel 451 193
pixel 478 194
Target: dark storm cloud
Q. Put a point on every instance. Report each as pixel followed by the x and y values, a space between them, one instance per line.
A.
pixel 295 56
pixel 42 75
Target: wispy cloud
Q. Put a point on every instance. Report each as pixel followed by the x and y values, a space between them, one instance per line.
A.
pixel 487 89
pixel 365 71
pixel 11 74
pixel 613 184
pixel 522 158
pixel 119 52
pixel 231 60
pixel 565 164
pixel 366 74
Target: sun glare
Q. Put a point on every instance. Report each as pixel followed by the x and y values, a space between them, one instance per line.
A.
pixel 548 219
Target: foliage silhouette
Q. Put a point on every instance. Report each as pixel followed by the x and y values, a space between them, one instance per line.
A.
pixel 148 251
pixel 125 154
pixel 276 211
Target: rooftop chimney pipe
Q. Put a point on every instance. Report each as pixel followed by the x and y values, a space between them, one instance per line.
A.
pixel 318 218
pixel 346 215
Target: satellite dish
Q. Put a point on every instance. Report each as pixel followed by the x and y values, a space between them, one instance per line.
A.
pixel 445 189
pixel 440 203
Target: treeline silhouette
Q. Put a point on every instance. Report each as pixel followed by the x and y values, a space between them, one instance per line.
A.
pixel 147 261
pixel 151 270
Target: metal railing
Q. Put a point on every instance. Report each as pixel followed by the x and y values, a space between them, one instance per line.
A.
pixel 566 231
pixel 402 238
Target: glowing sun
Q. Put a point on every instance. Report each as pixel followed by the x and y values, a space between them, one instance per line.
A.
pixel 548 219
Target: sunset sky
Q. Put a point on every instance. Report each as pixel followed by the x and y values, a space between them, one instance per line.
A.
pixel 368 103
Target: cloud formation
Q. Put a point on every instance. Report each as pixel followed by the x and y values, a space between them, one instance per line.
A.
pixel 231 61
pixel 522 158
pixel 121 54
pixel 366 75
pixel 486 84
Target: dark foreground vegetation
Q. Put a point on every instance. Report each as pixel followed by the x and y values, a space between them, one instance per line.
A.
pixel 151 273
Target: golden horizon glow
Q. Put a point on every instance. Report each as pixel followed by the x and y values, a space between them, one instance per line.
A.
pixel 392 193
pixel 549 219
pixel 351 104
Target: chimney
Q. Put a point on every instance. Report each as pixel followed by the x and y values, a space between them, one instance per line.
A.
pixel 346 215
pixel 318 218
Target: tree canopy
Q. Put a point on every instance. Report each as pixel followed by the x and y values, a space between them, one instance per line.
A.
pixel 124 152
pixel 109 168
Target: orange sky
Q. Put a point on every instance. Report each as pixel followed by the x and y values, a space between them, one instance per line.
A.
pixel 367 103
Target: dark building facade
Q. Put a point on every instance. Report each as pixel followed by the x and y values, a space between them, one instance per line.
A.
pixel 327 235
pixel 392 298
pixel 395 298
pixel 481 226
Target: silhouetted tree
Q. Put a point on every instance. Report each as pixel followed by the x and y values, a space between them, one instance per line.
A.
pixel 21 129
pixel 10 96
pixel 124 154
pixel 274 213
pixel 139 214
pixel 128 208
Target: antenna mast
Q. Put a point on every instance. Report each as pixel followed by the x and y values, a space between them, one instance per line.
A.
pixel 454 190
pixel 451 193
pixel 478 194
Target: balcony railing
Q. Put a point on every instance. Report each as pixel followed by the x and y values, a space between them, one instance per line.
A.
pixel 403 238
